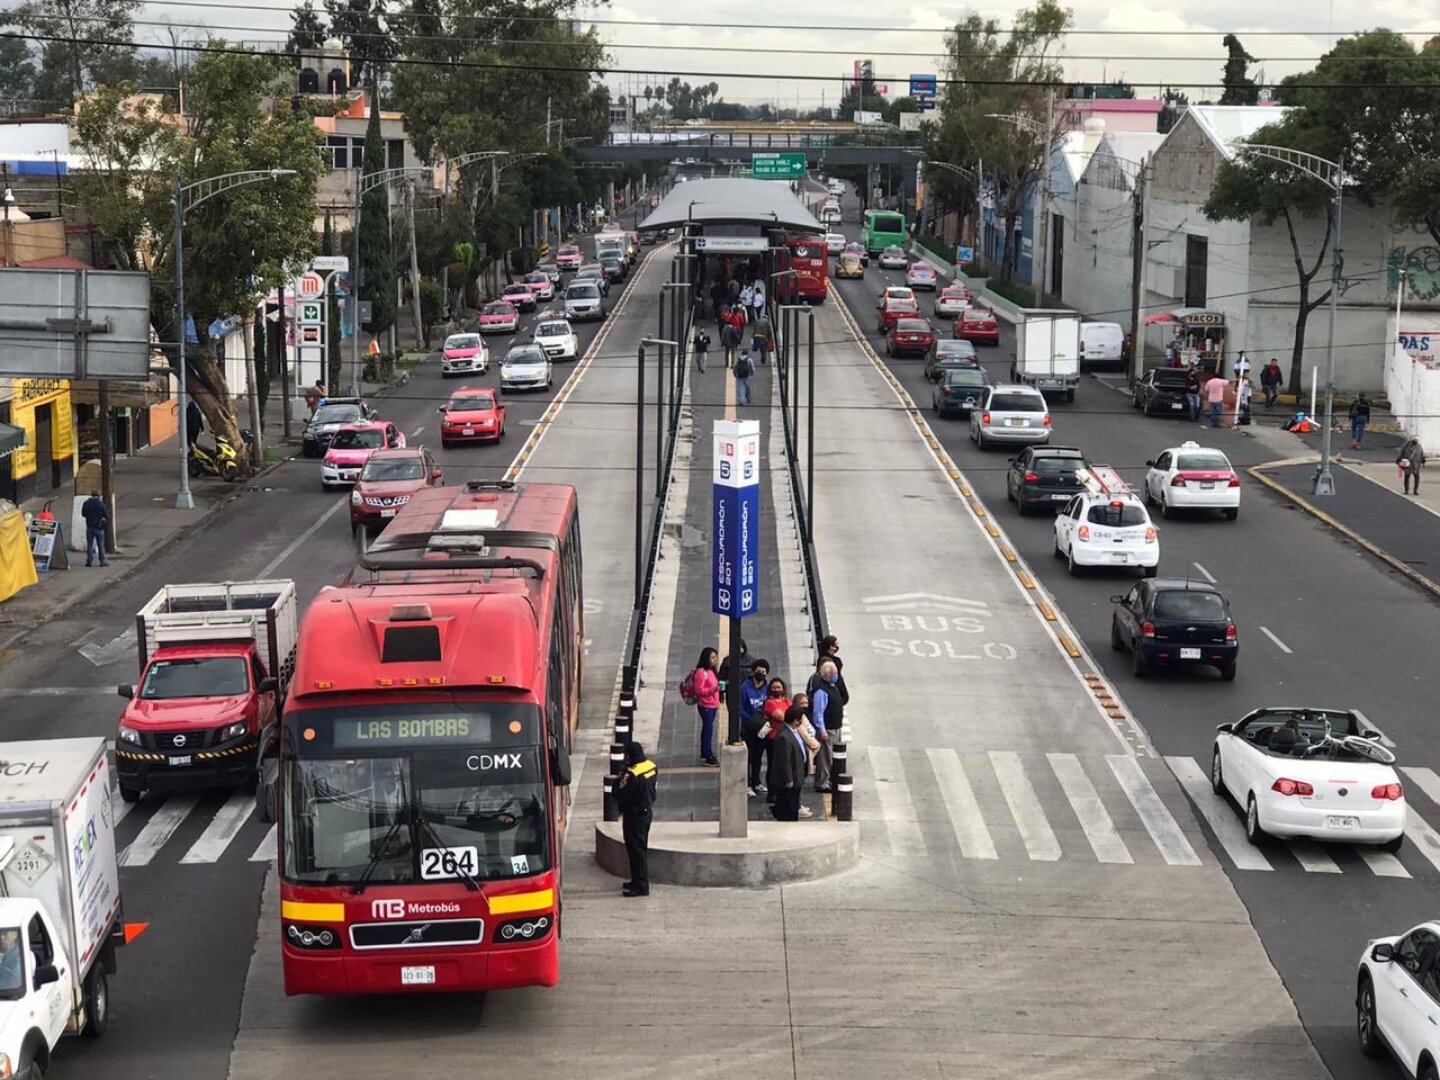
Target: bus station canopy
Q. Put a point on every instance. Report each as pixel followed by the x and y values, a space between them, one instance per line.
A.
pixel 732 201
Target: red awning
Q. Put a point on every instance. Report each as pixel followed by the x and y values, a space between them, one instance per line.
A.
pixel 1160 317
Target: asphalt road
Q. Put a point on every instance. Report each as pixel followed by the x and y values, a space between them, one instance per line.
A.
pixel 177 996
pixel 1320 624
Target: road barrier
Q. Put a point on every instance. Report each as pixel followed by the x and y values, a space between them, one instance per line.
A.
pixel 842 800
pixel 611 805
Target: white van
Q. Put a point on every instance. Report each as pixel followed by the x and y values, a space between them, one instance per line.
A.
pixel 1101 343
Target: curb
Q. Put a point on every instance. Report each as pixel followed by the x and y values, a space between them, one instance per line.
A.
pixel 1369 546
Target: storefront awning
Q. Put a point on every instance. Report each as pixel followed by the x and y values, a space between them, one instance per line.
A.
pixel 11 439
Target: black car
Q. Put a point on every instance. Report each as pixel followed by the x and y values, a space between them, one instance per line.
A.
pixel 1161 392
pixel 1044 477
pixel 950 355
pixel 615 267
pixel 1173 622
pixel 958 391
pixel 329 418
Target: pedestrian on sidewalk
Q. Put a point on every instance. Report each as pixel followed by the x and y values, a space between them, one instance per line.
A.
pixel 753 693
pixel 744 666
pixel 729 337
pixel 1243 393
pixel 747 300
pixel 1192 390
pixel 763 339
pixel 827 714
pixel 194 422
pixel 829 650
pixel 96 514
pixel 314 396
pixel 1270 381
pixel 1359 417
pixel 707 703
pixel 1242 365
pixel 801 701
pixel 757 300
pixel 1410 462
pixel 1215 399
pixel 702 347
pixel 789 765
pixel 636 794
pixel 744 368
pixel 772 712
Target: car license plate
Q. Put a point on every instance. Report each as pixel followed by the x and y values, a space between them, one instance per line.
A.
pixel 1176 406
pixel 1207 485
pixel 1060 498
pixel 1189 654
pixel 467 431
pixel 1017 423
pixel 387 513
pixel 1335 821
pixel 417 975
pixel 184 760
pixel 1119 557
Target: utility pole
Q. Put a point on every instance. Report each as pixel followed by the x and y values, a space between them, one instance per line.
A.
pixel 252 369
pixel 1042 231
pixel 417 317
pixel 1140 241
pixel 547 122
pixel 1324 477
pixel 355 276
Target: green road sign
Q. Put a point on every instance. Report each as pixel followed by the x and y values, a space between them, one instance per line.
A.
pixel 789 165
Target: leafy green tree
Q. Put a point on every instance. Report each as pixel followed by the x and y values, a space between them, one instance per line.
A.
pixel 307 29
pixel 1252 188
pixel 71 60
pixel 237 243
pixel 363 26
pixel 1240 89
pixel 377 261
pixel 17 69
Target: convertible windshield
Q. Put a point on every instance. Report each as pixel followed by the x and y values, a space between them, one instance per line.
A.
pixel 368 439
pixel 213 676
pixel 421 816
pixel 406 468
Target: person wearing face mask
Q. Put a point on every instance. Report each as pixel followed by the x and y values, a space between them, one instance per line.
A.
pixel 753 692
pixel 827 714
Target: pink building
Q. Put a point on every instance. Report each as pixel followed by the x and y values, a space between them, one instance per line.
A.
pixel 1119 114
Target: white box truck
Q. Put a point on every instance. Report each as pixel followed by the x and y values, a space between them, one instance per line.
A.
pixel 1047 350
pixel 59 898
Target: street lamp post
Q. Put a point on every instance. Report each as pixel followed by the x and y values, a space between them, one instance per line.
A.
pixel 184 197
pixel 1332 175
pixel 976 177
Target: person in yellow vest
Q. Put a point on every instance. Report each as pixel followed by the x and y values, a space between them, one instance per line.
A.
pixel 636 794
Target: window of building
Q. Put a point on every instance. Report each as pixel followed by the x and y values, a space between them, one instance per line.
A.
pixel 1197 261
pixel 338 147
pixel 394 153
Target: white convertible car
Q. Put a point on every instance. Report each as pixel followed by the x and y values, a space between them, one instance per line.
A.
pixel 1317 773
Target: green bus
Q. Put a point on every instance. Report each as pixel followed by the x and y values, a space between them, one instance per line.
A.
pixel 882 228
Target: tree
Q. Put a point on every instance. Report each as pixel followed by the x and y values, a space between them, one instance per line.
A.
pixel 995 71
pixel 1176 102
pixel 70 32
pixel 307 29
pixel 1240 89
pixel 1252 188
pixel 363 26
pixel 17 69
pixel 377 262
pixel 239 243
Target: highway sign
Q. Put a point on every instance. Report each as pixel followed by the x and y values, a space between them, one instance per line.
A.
pixel 309 286
pixel 310 313
pixel 325 263
pixel 789 165
pixel 922 89
pixel 964 255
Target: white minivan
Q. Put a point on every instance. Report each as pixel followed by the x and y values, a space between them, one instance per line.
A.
pixel 1101 343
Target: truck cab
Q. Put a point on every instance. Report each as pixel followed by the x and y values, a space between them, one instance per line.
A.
pixel 214 663
pixel 37 1002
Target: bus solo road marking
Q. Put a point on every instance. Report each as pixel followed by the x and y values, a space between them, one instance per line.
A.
pixel 927 649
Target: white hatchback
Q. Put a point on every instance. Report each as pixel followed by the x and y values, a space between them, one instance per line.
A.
pixel 1193 477
pixel 557 338
pixel 1107 529
pixel 834 242
pixel 1397 999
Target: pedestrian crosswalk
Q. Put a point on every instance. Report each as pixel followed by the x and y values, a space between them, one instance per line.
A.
pixel 1112 810
pixel 159 828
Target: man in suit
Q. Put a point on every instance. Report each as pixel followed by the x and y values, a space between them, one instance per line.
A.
pixel 789 764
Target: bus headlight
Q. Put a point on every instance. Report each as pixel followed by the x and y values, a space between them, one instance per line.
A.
pixel 312 937
pixel 518 931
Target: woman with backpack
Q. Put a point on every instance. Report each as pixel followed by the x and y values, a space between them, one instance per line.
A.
pixel 701 688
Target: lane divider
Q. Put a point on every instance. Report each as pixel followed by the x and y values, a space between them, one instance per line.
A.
pixel 1116 716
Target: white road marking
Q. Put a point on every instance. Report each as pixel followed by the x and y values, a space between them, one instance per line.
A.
pixel 266 851
pixel 1168 836
pixel 1025 808
pixel 416 433
pixel 120 806
pixel 896 806
pixel 1085 801
pixel 159 829
pixel 1424 839
pixel 959 796
pixel 1218 814
pixel 59 691
pixel 1383 863
pixel 1312 857
pixel 295 544
pixel 221 830
pixel 1205 573
pixel 1278 643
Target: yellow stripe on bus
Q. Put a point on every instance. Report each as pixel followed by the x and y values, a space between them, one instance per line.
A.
pixel 530 901
pixel 299 911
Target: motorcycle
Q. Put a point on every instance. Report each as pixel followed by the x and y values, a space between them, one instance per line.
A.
pixel 224 462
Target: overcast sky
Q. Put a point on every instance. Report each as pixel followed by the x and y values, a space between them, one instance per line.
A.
pixel 910 39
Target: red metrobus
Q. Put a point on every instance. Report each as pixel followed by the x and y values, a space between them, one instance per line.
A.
pixel 424 765
pixel 807 255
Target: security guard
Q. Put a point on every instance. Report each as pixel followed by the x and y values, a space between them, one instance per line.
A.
pixel 636 796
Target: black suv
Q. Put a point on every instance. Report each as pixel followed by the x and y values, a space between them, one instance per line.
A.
pixel 329 418
pixel 1044 476
pixel 1172 622
pixel 1162 391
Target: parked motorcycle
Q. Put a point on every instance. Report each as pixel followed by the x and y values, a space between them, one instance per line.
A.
pixel 223 462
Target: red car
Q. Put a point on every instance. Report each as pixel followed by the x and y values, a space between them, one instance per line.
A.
pixel 910 337
pixel 895 308
pixel 472 415
pixel 386 483
pixel 978 326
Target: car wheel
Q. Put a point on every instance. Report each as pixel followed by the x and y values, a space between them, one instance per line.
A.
pixel 1116 642
pixel 97 1002
pixel 1149 495
pixel 1427 1072
pixel 1227 671
pixel 1231 515
pixel 1151 571
pixel 1138 667
pixel 1217 777
pixel 1070 563
pixel 129 794
pixel 1164 508
pixel 1395 845
pixel 1070 396
pixel 1367 1035
pixel 1134 402
pixel 1253 832
pixel 445 444
pixel 1055 540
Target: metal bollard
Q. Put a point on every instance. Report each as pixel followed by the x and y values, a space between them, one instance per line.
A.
pixel 622 729
pixel 617 758
pixel 838 758
pixel 627 706
pixel 611 807
pixel 842 802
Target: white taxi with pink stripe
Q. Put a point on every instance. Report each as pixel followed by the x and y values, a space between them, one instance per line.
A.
pixel 1193 477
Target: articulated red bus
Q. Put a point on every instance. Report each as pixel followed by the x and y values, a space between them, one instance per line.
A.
pixel 808 257
pixel 424 758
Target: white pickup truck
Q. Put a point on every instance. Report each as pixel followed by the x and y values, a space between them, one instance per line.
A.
pixel 1047 351
pixel 59 898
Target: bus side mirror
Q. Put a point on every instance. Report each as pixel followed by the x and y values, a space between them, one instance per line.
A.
pixel 560 766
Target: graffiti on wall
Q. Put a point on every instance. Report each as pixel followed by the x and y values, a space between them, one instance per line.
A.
pixel 1422 271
